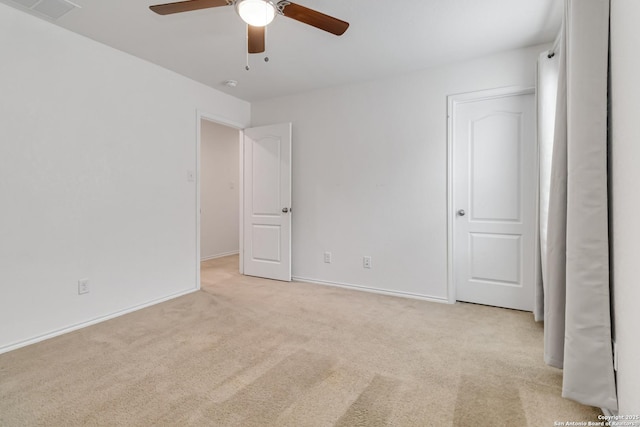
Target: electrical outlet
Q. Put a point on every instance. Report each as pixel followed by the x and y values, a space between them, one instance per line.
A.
pixel 83 286
pixel 327 257
pixel 366 262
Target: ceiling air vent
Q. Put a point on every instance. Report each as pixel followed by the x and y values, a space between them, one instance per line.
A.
pixel 27 3
pixel 53 9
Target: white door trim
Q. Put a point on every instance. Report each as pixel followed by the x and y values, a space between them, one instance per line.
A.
pixel 203 115
pixel 452 102
pixel 241 200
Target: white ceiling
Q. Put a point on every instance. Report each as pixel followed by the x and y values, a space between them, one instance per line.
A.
pixel 385 38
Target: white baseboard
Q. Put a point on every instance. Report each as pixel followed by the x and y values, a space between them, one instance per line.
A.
pixel 372 290
pixel 608 412
pixel 207 258
pixel 81 325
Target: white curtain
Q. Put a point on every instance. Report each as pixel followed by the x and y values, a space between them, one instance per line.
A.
pixel 573 205
pixel 547 91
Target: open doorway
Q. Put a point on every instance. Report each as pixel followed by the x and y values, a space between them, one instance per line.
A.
pixel 219 201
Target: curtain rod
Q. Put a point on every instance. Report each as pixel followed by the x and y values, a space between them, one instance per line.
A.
pixel 556 43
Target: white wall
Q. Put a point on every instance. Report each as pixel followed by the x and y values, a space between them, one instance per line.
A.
pixel 370 172
pixel 95 146
pixel 625 175
pixel 220 196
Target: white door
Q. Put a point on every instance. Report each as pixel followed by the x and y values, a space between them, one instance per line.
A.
pixel 267 202
pixel 494 200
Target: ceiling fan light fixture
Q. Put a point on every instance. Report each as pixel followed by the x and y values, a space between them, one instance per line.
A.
pixel 257 13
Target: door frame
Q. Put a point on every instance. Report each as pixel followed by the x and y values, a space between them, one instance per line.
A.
pixel 452 102
pixel 203 115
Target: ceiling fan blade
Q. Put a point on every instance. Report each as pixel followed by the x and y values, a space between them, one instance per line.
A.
pixel 255 39
pixel 314 18
pixel 186 6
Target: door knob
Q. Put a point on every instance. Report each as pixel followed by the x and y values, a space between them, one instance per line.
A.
pixel 461 212
pixel 285 210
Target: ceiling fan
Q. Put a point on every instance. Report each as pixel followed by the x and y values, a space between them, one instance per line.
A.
pixel 258 14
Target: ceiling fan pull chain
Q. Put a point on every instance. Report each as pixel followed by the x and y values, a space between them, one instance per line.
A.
pixel 266 58
pixel 247 50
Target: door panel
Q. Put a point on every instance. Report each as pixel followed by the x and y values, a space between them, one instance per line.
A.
pixel 266 243
pixel 491 144
pixel 267 201
pixel 494 160
pixel 265 183
pixel 484 247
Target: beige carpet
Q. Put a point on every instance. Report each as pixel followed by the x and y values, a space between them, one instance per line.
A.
pixel 252 352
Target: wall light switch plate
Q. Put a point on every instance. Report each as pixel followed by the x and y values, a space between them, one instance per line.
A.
pixel 327 257
pixel 191 176
pixel 83 286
